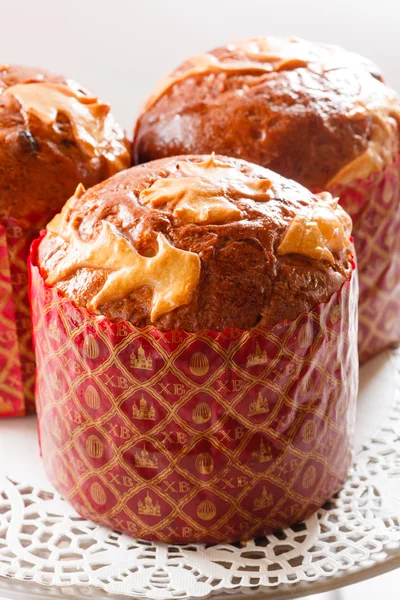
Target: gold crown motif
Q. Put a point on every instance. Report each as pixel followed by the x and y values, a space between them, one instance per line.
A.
pixel 258 357
pixel 148 508
pixel 262 455
pixel 145 460
pixel 264 501
pixel 145 412
pixel 141 361
pixel 259 406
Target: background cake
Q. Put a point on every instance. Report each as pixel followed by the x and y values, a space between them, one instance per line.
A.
pixel 53 136
pixel 314 113
pixel 195 323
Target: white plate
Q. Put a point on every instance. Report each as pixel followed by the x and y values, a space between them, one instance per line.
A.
pixel 46 550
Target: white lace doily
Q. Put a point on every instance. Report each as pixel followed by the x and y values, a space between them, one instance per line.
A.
pixel 44 543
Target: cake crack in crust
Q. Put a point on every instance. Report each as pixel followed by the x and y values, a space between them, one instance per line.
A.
pixel 147 247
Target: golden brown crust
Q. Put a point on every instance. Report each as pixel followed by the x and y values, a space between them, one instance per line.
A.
pixel 307 111
pixel 93 248
pixel 42 157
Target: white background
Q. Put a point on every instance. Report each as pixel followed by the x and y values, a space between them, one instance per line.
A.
pixel 120 48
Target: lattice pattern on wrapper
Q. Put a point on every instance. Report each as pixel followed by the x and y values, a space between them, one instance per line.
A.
pixel 178 437
pixel 374 205
pixel 357 532
pixel 17 361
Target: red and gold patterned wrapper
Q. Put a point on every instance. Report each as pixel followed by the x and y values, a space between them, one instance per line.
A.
pixel 374 205
pixel 207 437
pixel 17 361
